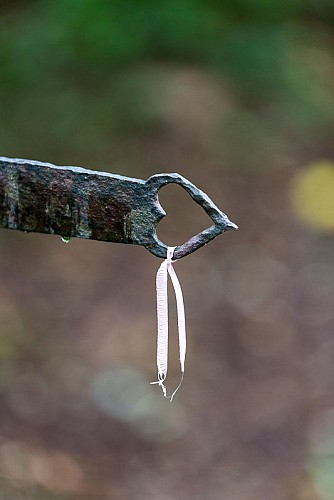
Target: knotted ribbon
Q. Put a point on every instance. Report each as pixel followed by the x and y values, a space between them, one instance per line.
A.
pixel 162 318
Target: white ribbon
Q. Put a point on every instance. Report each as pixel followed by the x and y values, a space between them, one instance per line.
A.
pixel 162 316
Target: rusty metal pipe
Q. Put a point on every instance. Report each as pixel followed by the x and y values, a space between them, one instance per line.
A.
pixel 76 202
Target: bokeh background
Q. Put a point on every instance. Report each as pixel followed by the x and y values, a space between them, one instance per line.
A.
pixel 237 96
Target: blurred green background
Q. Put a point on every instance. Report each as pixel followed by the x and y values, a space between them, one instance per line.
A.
pixel 237 96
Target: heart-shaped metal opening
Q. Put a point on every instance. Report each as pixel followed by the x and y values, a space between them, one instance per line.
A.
pixel 183 219
pixel 220 220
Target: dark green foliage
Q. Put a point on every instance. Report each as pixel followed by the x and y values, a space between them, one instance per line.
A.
pixel 70 64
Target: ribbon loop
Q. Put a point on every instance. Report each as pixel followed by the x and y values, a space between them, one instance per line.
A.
pixel 166 268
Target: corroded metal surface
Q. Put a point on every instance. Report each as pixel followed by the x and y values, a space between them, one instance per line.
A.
pixel 76 202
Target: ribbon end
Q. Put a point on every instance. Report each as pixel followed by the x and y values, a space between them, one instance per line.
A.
pixel 177 388
pixel 160 382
